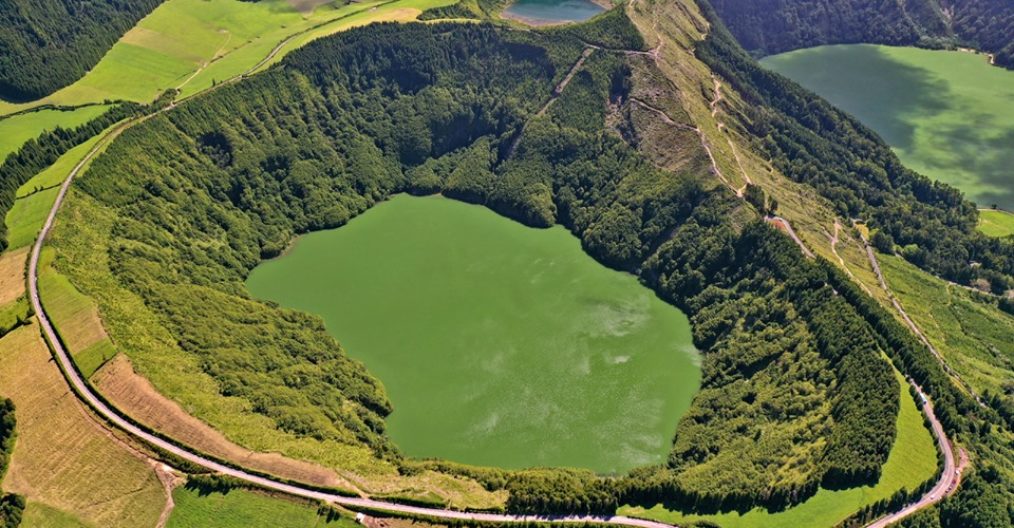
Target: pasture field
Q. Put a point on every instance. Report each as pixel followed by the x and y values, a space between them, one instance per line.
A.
pixel 996 223
pixel 25 219
pixel 72 471
pixel 39 515
pixel 35 198
pixel 16 130
pixel 192 44
pixel 381 10
pixel 947 114
pixel 973 335
pixel 546 357
pixel 913 460
pixel 240 508
pixel 74 315
pixel 13 312
pixel 12 275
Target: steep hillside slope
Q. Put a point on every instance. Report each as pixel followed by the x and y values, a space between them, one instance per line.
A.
pixel 544 127
pixel 49 44
pixel 739 109
pixel 773 26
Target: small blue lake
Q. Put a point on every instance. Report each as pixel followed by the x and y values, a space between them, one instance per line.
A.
pixel 544 12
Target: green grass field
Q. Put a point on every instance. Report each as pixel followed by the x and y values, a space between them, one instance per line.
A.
pixel 39 515
pixel 192 44
pixel 245 509
pixel 948 114
pixel 912 461
pixel 35 198
pixel 399 11
pixel 16 130
pixel 76 318
pixel 973 335
pixel 27 216
pixel 996 223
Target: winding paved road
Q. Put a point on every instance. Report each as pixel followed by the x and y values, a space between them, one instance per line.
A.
pixel 84 391
pixel 949 478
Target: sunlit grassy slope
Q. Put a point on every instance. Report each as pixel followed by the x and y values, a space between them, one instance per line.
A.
pixel 996 223
pixel 191 44
pixel 971 332
pixel 36 196
pixel 245 509
pixel 16 130
pixel 913 460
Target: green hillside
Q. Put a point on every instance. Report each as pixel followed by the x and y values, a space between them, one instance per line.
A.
pixel 773 26
pixel 648 133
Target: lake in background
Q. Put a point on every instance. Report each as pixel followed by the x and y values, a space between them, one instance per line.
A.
pixel 544 12
pixel 948 114
pixel 498 344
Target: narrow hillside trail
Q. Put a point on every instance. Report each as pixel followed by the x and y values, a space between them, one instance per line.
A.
pixel 559 88
pixel 785 226
pixel 713 104
pixel 652 53
pixel 206 63
pixel 835 239
pixel 663 115
pixel 718 95
pixel 557 91
pixel 700 134
pixel 169 481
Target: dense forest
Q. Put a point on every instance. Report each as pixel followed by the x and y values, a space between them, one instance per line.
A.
pixel 772 26
pixel 196 196
pixel 48 44
pixel 11 505
pixel 812 142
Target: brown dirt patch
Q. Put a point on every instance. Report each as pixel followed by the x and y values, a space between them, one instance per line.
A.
pixel 137 397
pixel 62 457
pixel 12 275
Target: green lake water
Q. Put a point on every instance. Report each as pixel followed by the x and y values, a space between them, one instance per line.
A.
pixel 948 114
pixel 498 344
pixel 552 11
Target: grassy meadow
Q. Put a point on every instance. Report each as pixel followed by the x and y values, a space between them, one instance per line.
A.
pixel 192 44
pixel 241 508
pixel 913 460
pixel 996 223
pixel 973 335
pixel 947 114
pixel 72 471
pixel 35 198
pixel 16 130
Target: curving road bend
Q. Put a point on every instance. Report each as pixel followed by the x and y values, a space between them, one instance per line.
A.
pixel 949 478
pixel 85 393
